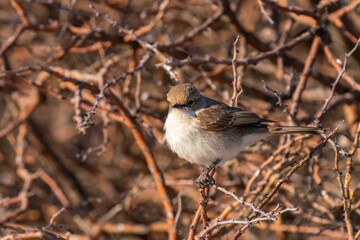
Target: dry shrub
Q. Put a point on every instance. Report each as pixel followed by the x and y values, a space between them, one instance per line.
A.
pixel 83 105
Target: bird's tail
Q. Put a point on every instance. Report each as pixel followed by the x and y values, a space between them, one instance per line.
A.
pixel 291 130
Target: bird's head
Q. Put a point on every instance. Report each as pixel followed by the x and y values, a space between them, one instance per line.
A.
pixel 185 97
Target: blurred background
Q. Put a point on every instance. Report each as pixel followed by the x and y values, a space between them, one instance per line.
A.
pixel 83 103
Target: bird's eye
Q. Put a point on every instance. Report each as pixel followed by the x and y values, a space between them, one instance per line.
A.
pixel 190 102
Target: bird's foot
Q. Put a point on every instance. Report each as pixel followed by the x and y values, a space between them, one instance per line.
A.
pixel 205 180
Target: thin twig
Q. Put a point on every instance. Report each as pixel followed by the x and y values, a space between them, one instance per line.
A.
pixel 161 57
pixel 264 13
pixel 237 88
pixel 322 111
pixel 247 222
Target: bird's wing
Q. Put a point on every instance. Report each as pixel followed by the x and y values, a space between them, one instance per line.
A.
pixel 220 116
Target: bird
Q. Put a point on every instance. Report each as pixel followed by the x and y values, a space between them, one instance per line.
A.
pixel 207 132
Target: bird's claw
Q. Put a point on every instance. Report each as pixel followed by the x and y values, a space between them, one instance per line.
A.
pixel 205 180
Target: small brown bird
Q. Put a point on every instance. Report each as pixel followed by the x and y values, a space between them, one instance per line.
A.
pixel 204 131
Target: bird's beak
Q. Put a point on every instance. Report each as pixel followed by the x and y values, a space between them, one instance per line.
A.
pixel 178 106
